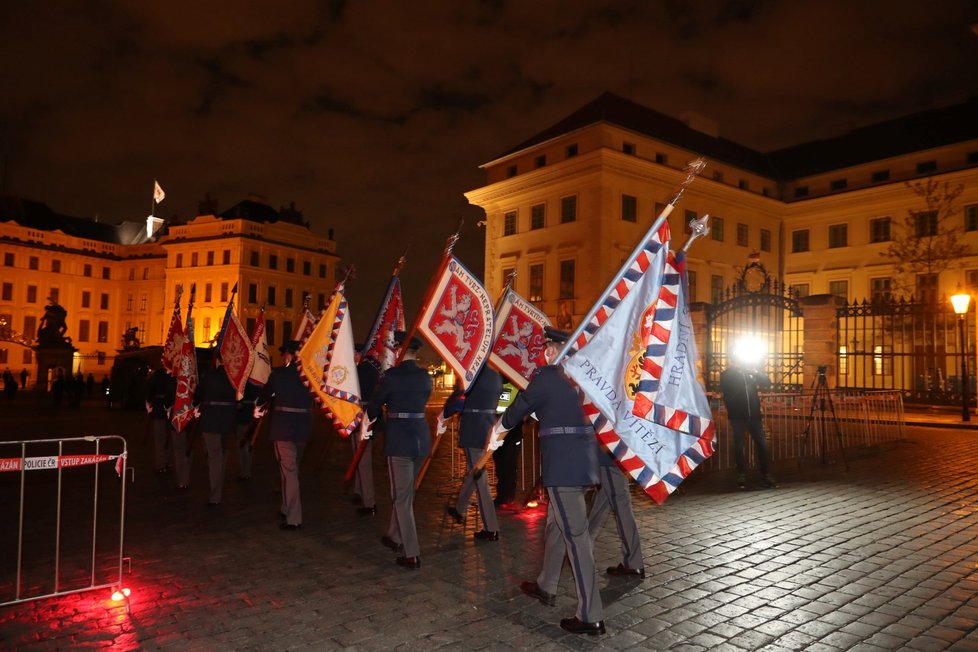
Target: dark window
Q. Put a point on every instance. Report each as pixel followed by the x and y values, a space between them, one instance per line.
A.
pixel 322 270
pixel 290 265
pixel 567 279
pixel 572 150
pixel 629 208
pixel 799 240
pixel 84 330
pixel 143 302
pixel 210 257
pixel 288 297
pixel 691 285
pixel 661 158
pixel 926 223
pixel 536 282
pixel 208 292
pixel 129 302
pixel 879 229
pixel 287 329
pixel 927 167
pixel 271 295
pixel 880 288
pixel 8 292
pixel 179 260
pixel 55 294
pixel 103 331
pixel 250 323
pixel 509 223
pixel 511 171
pixel 659 207
pixel 145 273
pixel 971 217
pixel 226 257
pixel 743 185
pixel 538 216
pixel 628 148
pixel 689 216
pixel 718 176
pixel 87 270
pixel 254 259
pixel 742 234
pixel 971 158
pixel 224 292
pixel 104 301
pixel 30 326
pixel 839 289
pixel 568 209
pixel 540 161
pixel 716 228
pixel 86 299
pixel 105 272
pixel 56 266
pixel 839 184
pixel 880 176
pixel 838 235
pixel 31 294
pixel 927 288
pixel 8 260
pixel 252 293
pixel 33 263
pixel 272 261
pixel 716 288
pixel 306 268
pixel 321 298
pixel 801 191
pixel 799 290
pixel 194 259
pixel 270 331
pixel 765 240
pixel 132 274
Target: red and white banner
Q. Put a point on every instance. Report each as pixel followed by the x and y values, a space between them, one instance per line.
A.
pixel 237 354
pixel 457 321
pixel 520 340
pixel 185 371
pixel 379 347
pixel 56 462
pixel 262 367
pixel 174 340
pixel 306 325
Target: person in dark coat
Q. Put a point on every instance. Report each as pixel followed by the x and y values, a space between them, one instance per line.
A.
pixel 363 481
pixel 404 390
pixel 739 384
pixel 506 457
pixel 613 496
pixel 290 427
pixel 216 399
pixel 159 401
pixel 478 413
pixel 569 466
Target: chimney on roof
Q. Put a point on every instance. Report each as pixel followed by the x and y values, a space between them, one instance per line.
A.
pixel 701 123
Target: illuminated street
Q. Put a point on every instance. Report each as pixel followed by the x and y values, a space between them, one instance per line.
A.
pixel 882 557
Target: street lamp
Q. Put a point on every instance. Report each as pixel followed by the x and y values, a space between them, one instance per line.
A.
pixel 961 301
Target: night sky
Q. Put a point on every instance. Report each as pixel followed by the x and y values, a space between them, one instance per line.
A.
pixel 374 116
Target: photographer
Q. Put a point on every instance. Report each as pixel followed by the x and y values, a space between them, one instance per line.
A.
pixel 739 384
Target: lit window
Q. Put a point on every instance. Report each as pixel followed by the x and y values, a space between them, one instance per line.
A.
pixel 536 282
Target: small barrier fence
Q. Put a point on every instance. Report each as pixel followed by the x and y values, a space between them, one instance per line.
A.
pixel 55 551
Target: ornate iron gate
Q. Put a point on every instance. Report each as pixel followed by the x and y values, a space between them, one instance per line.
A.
pixel 905 345
pixel 762 307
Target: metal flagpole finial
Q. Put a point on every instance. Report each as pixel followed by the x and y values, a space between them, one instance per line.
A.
pixel 306 298
pixel 453 238
pixel 692 169
pixel 510 279
pixel 697 229
pixel 349 274
pixel 401 260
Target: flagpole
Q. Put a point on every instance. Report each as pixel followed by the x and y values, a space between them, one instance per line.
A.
pixel 692 171
pixel 152 205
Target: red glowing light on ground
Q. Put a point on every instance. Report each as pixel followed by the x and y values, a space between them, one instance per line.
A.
pixel 120 595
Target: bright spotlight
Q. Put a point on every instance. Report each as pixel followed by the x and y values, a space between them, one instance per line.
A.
pixel 119 596
pixel 749 350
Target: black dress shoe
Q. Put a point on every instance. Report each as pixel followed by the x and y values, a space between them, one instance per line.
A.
pixel 487 535
pixel 366 511
pixel 390 543
pixel 451 511
pixel 533 590
pixel 211 503
pixel 414 563
pixel 290 526
pixel 577 626
pixel 622 570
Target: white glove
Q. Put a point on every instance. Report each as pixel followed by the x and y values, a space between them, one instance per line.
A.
pixel 259 412
pixel 496 435
pixel 366 428
pixel 149 407
pixel 442 425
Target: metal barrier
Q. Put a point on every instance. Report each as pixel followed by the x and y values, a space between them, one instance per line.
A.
pixel 802 426
pixel 527 466
pixel 41 463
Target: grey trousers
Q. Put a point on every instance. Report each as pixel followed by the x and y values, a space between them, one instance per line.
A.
pixel 363 482
pixel 214 443
pixel 181 457
pixel 567 533
pixel 613 496
pixel 289 455
pixel 160 429
pixel 402 529
pixel 481 486
pixel 243 433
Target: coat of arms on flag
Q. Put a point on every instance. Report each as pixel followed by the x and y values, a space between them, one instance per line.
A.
pixel 185 370
pixel 520 341
pixel 326 362
pixel 458 321
pixel 379 348
pixel 237 354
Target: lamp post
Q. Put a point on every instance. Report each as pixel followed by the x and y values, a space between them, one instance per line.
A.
pixel 961 301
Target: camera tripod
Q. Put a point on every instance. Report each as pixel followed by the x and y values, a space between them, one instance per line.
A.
pixel 822 399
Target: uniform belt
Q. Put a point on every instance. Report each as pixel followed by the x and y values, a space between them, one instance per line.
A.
pixel 289 409
pixel 206 403
pixel 405 415
pixel 486 411
pixel 566 430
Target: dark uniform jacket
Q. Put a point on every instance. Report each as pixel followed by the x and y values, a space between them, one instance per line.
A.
pixel 246 406
pixel 290 414
pixel 739 387
pixel 218 401
pixel 404 390
pixel 161 393
pixel 369 377
pixel 569 456
pixel 478 408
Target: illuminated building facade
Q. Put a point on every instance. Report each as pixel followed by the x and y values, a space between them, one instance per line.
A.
pixel 111 278
pixel 567 206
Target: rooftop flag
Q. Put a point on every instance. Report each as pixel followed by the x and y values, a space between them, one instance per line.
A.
pixel 158 194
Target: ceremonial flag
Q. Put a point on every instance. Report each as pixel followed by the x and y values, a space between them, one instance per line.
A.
pixel 643 312
pixel 326 362
pixel 158 194
pixel 457 321
pixel 237 354
pixel 306 324
pixel 262 366
pixel 186 372
pixel 173 345
pixel 379 347
pixel 518 348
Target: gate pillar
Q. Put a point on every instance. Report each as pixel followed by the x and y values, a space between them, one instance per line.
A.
pixel 821 332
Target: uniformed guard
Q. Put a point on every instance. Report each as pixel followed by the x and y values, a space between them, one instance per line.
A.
pixel 478 409
pixel 613 495
pixel 160 396
pixel 363 485
pixel 216 398
pixel 569 467
pixel 404 390
pixel 290 426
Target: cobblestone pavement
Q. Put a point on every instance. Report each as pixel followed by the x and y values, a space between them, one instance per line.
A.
pixel 883 556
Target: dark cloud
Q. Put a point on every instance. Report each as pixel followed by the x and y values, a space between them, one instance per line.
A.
pixel 374 116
